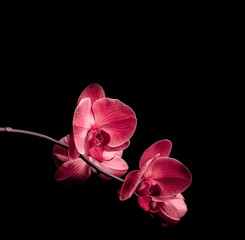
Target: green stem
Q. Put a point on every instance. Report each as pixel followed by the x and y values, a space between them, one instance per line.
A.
pixel 12 130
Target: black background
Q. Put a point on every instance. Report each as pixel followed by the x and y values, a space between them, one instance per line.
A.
pixel 161 73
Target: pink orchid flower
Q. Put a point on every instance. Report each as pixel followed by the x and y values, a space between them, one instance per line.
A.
pixel 159 175
pixel 102 128
pixel 159 183
pixel 168 210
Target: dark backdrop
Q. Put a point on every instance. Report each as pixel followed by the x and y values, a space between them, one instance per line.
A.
pixel 43 73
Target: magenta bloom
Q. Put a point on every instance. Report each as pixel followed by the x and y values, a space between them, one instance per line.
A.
pixel 158 183
pixel 102 128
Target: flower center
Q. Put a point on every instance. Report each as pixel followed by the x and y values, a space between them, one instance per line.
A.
pixel 152 181
pixel 97 138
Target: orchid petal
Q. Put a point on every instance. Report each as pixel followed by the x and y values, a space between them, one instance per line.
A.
pixel 97 153
pixel 107 156
pixel 82 122
pixel 129 185
pixel 163 147
pixel 117 166
pixel 94 91
pixel 172 176
pixel 144 202
pixel 74 171
pixel 174 207
pixel 144 188
pixel 72 151
pixel 60 154
pixel 115 118
pixel 118 148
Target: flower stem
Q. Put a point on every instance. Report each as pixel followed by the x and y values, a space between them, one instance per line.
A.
pixel 12 130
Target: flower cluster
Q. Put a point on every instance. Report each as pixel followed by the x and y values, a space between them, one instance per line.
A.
pixel 101 130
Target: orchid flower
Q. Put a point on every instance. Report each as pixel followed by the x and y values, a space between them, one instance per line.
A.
pixel 158 183
pixel 102 128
